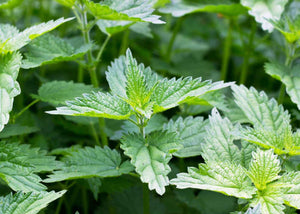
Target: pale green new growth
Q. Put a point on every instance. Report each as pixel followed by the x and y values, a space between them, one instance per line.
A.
pixel 264 168
pixel 179 8
pixel 9 87
pixel 90 162
pixel 29 203
pixel 58 92
pixel 137 88
pixel 289 77
pixel 265 10
pixel 191 132
pixel 11 39
pixel 150 156
pixel 49 49
pixel 20 163
pixel 124 10
pixel 271 122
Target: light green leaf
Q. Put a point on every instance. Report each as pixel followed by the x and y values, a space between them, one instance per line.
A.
pixel 67 3
pixel 49 49
pixel 96 105
pixel 150 156
pixel 270 200
pixel 9 87
pixel 262 112
pixel 90 162
pixel 170 93
pixel 29 203
pixel 255 210
pixel 246 153
pixel 191 132
pixel 224 177
pixel 264 168
pixel 58 92
pixel 11 39
pixel 133 82
pixel 124 10
pixel 219 138
pixel 289 77
pixel 265 10
pixel 289 184
pixel 289 27
pixel 179 8
pixel 9 4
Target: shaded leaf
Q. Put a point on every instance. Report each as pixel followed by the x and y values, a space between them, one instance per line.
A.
pixel 49 49
pixel 191 132
pixel 90 162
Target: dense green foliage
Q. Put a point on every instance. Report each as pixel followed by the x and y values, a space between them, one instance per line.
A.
pixel 149 106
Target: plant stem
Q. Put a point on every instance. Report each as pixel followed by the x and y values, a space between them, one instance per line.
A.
pixel 103 136
pixel 80 74
pixel 125 41
pixel 85 201
pixel 99 55
pixel 226 52
pixel 94 133
pixel 172 40
pixel 247 54
pixel 81 15
pixel 58 208
pixel 146 199
pixel 288 63
pixel 25 109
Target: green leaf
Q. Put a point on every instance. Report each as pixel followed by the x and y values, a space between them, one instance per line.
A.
pixel 219 138
pixel 96 105
pixel 170 93
pixel 90 162
pixel 289 77
pixel 9 4
pixel 264 168
pixel 270 200
pixel 262 112
pixel 150 156
pixel 224 177
pixel 124 10
pixel 20 163
pixel 265 10
pixel 17 130
pixel 49 49
pixel 9 87
pixel 29 203
pixel 191 132
pixel 179 8
pixel 11 39
pixel 58 92
pixel 271 122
